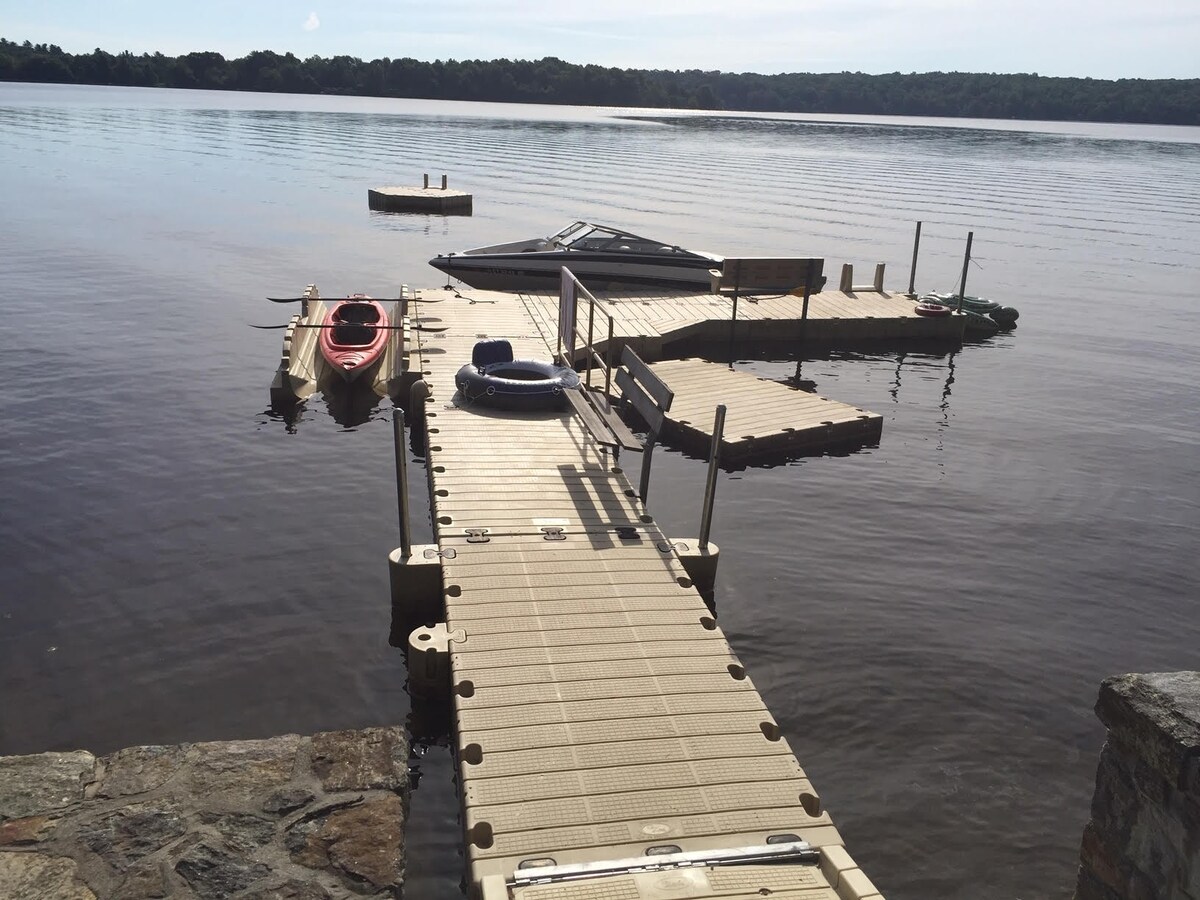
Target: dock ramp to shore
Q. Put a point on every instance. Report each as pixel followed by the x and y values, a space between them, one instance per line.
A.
pixel 610 745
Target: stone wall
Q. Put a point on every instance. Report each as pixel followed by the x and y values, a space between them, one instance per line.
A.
pixel 288 818
pixel 1143 842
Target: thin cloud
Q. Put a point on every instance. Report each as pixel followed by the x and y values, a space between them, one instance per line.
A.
pixel 312 23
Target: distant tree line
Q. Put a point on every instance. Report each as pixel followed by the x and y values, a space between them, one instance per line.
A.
pixel 550 80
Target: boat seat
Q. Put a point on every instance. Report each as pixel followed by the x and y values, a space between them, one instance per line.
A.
pixel 493 350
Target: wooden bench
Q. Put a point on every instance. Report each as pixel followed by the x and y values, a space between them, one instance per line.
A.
pixel 768 275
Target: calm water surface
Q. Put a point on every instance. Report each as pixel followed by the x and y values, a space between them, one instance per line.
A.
pixel 928 619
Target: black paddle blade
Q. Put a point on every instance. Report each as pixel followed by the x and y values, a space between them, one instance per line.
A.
pixel 286 299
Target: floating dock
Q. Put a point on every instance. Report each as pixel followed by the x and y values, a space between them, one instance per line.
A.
pixel 421 199
pixel 657 325
pixel 303 371
pixel 610 744
pixel 763 416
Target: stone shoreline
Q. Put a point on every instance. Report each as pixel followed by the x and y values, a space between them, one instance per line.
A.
pixel 286 818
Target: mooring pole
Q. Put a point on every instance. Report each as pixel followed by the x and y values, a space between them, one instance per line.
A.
pixel 710 489
pixel 912 272
pixel 401 480
pixel 962 285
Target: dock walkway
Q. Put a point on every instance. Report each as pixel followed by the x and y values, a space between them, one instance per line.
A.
pixel 600 714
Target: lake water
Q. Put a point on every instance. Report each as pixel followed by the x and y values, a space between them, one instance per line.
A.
pixel 928 619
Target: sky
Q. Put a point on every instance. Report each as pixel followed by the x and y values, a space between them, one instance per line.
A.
pixel 1084 38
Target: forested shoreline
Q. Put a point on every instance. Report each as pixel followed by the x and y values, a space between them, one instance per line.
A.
pixel 553 81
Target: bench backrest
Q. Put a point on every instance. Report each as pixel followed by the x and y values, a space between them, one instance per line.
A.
pixel 768 274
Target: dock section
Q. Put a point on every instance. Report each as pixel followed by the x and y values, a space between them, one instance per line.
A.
pixel 763 416
pixel 655 324
pixel 610 744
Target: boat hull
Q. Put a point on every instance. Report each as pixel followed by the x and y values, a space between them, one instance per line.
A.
pixel 354 336
pixel 541 271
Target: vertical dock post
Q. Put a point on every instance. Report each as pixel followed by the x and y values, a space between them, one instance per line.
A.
pixel 962 284
pixel 879 267
pixel 647 453
pixel 401 480
pixel 710 488
pixel 443 182
pixel 846 286
pixel 803 327
pixel 426 185
pixel 608 353
pixel 912 271
pixel 591 348
pixel 732 326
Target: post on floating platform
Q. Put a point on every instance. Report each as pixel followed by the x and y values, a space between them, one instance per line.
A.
pixel 401 480
pixel 444 182
pixel 912 271
pixel 962 284
pixel 879 269
pixel 426 185
pixel 710 488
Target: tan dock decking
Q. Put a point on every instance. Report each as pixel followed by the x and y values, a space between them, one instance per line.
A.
pixel 763 416
pixel 599 711
pixel 652 323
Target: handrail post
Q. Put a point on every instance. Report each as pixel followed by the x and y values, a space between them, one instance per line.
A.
pixel 591 350
pixel 608 353
pixel 912 271
pixel 710 489
pixel 962 285
pixel 401 480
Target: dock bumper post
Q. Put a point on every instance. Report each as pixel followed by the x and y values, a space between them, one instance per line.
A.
pixel 416 582
pixel 429 661
pixel 700 562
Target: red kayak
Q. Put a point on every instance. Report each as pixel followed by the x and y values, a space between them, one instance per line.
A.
pixel 355 333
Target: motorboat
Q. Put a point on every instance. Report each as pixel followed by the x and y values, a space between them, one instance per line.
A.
pixel 353 336
pixel 600 256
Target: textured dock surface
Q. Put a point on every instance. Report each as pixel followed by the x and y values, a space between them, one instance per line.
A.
pixel 599 710
pixel 763 416
pixel 652 323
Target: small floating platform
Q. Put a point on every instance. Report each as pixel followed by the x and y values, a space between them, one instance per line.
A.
pixel 763 417
pixel 421 199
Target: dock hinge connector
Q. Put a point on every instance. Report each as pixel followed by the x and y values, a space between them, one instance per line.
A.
pixel 477 535
pixel 448 553
pixel 553 533
pixel 658 859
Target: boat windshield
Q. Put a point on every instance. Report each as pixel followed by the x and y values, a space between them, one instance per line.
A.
pixel 586 236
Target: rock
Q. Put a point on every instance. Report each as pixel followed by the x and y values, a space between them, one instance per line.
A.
pixel 241 767
pixel 366 842
pixel 213 874
pixel 145 881
pixel 34 876
pixel 1157 717
pixel 287 800
pixel 30 830
pixel 43 782
pixel 132 832
pixel 373 758
pixel 137 770
pixel 242 832
pixel 291 890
